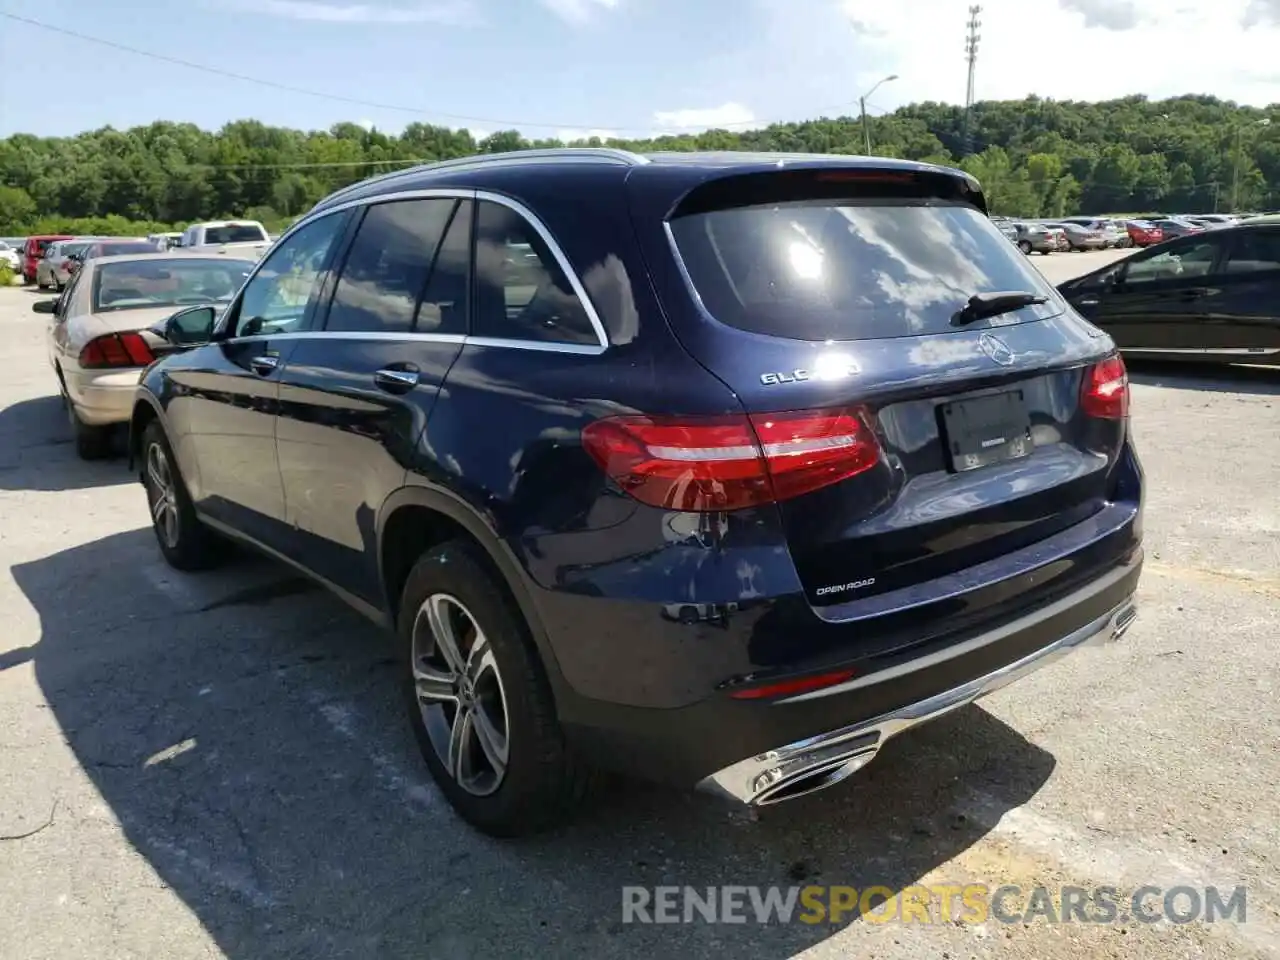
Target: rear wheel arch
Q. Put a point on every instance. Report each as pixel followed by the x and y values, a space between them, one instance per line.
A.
pixel 416 519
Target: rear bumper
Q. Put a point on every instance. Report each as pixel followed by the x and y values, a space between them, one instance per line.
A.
pixel 727 745
pixel 104 398
pixel 805 766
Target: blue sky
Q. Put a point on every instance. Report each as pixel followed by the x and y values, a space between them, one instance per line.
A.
pixel 569 67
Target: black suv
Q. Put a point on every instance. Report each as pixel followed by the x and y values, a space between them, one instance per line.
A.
pixel 714 468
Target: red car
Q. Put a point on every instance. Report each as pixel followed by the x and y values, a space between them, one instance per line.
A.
pixel 34 251
pixel 1142 233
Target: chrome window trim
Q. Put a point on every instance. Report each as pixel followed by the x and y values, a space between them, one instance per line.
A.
pixel 582 349
pixel 456 193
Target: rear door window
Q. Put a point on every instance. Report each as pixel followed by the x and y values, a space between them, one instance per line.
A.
pixel 832 270
pixel 385 273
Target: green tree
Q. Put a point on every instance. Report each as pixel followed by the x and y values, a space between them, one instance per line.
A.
pixel 1034 156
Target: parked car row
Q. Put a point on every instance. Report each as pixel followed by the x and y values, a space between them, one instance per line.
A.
pixel 1100 233
pixel 48 260
pixel 622 447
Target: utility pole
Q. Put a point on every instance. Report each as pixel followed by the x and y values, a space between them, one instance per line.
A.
pixel 862 104
pixel 1235 167
pixel 971 55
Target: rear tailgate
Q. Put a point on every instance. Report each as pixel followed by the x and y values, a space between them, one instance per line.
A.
pixel 843 296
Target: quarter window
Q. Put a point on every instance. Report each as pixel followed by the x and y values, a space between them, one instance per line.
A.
pixel 521 291
pixel 1255 251
pixel 278 297
pixel 386 271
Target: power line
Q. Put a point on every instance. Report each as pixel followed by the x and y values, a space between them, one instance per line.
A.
pixel 355 101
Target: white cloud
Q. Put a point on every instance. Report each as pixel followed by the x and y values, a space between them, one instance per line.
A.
pixel 731 115
pixel 570 134
pixel 578 11
pixel 1107 14
pixel 424 11
pixel 1262 12
pixel 1117 48
pixel 365 123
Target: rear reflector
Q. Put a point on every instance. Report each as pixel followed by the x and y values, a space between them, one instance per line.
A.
pixel 784 688
pixel 116 350
pixel 728 463
pixel 1105 392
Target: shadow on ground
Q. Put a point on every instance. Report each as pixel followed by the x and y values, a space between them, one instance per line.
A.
pixel 37 453
pixel 245 730
pixel 1206 377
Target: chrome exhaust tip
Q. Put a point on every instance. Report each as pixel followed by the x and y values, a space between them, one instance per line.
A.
pixel 818 777
pixel 1123 621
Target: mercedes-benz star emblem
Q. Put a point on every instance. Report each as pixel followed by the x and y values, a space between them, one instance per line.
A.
pixel 996 349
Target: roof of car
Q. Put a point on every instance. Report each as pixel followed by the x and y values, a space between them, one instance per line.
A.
pixel 689 167
pixel 169 255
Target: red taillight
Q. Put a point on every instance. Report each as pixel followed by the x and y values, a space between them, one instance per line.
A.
pixel 796 685
pixel 728 463
pixel 1105 393
pixel 116 350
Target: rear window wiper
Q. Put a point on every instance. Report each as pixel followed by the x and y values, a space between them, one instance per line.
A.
pixel 993 304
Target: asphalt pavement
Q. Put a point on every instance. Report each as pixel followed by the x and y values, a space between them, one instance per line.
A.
pixel 217 765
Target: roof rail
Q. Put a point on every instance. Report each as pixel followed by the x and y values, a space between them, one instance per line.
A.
pixel 605 154
pixel 624 157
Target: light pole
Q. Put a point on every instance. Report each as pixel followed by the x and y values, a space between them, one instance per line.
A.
pixel 862 103
pixel 1235 169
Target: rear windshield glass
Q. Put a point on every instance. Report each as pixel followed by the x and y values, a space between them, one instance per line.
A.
pixel 235 233
pixel 166 283
pixel 836 271
pixel 125 246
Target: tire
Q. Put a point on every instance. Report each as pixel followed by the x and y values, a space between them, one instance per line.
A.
pixel 520 777
pixel 1024 247
pixel 92 442
pixel 186 543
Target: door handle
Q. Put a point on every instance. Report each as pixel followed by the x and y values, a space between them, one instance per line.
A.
pixel 1195 293
pixel 1088 302
pixel 394 380
pixel 264 365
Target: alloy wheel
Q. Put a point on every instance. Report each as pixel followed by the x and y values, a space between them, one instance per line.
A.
pixel 164 500
pixel 460 694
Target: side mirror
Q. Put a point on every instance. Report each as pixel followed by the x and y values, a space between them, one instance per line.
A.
pixel 44 306
pixel 186 328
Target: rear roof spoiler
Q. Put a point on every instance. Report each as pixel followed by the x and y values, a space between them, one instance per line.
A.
pixel 819 181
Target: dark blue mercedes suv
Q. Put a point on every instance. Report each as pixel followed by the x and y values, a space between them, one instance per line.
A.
pixel 720 469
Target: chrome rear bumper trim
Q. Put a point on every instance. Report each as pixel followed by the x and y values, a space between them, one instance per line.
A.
pixel 968 646
pixel 821 761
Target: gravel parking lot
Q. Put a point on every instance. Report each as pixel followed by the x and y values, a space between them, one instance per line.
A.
pixel 217 765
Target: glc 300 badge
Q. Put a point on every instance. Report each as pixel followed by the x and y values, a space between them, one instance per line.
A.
pixel 799 376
